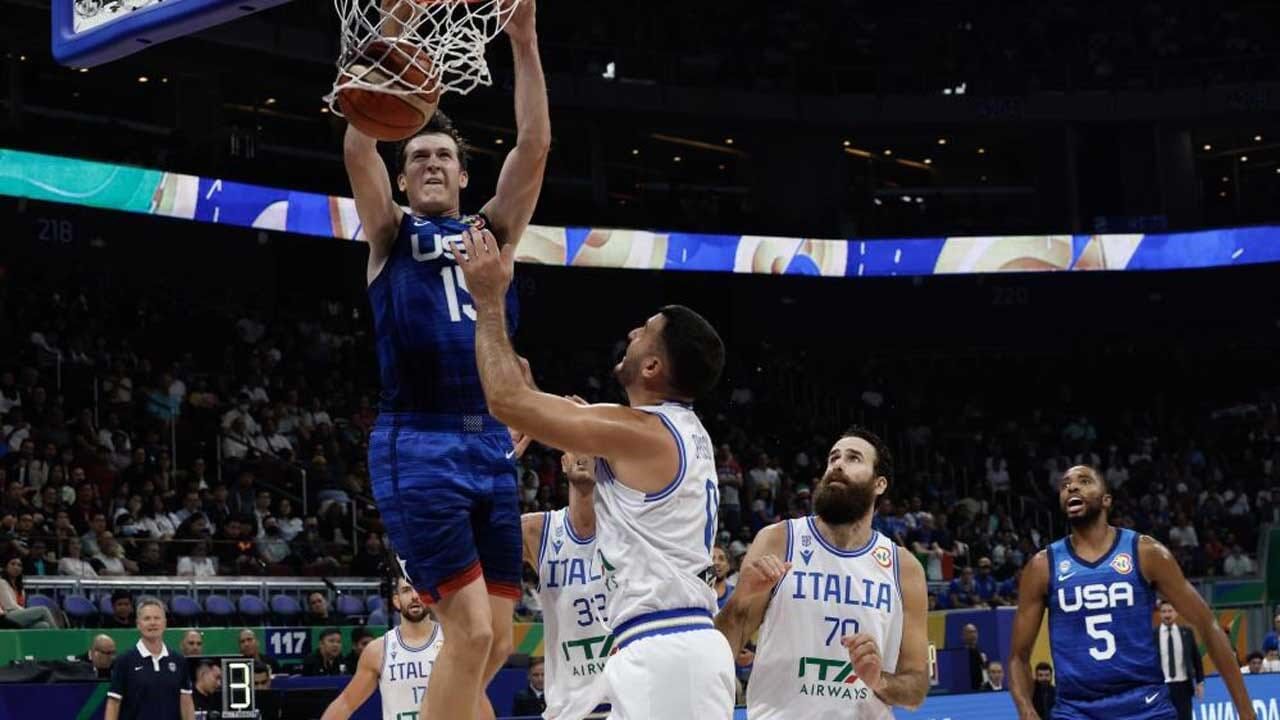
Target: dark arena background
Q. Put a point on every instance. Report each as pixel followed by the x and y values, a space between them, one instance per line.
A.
pixel 1009 238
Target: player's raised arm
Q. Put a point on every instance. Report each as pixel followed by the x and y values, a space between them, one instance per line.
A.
pixel 533 528
pixel 908 684
pixel 362 684
pixel 1026 626
pixel 1161 570
pixel 762 569
pixel 520 181
pixel 641 440
pixel 371 185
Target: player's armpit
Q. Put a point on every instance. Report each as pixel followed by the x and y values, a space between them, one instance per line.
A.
pixel 741 616
pixel 1026 626
pixel 908 685
pixel 1161 569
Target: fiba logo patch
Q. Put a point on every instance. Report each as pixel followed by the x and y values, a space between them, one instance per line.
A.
pixel 1064 566
pixel 883 556
pixel 1122 564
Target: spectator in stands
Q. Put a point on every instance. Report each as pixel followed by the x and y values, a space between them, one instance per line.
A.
pixel 995 677
pixel 73 565
pixel 156 520
pixel 198 563
pixel 720 562
pixel 371 561
pixel 1271 642
pixel 729 475
pixel 312 551
pixel 1044 694
pixel 121 610
pixel 963 590
pixel 272 548
pixel 327 659
pixel 207 686
pixel 985 585
pixel 318 609
pixel 102 653
pixel 1237 564
pixel 151 560
pixel 38 560
pixel 111 560
pixel 1253 665
pixel 89 540
pixel 249 648
pixel 360 639
pixel 218 508
pixel 236 548
pixel 13 599
pixel 290 524
pixel 192 643
pixel 977 658
pixel 531 700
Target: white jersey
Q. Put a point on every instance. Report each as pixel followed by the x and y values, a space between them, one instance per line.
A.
pixel 655 548
pixel 801 669
pixel 405 673
pixel 571 590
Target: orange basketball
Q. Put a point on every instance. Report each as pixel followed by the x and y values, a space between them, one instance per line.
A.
pixel 386 115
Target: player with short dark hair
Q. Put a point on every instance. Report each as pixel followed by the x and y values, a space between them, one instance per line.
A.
pixel 441 467
pixel 1099 584
pixel 399 664
pixel 656 509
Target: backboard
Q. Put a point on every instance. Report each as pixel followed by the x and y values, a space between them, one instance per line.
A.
pixel 91 32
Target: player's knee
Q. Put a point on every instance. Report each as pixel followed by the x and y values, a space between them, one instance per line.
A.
pixel 474 638
pixel 501 648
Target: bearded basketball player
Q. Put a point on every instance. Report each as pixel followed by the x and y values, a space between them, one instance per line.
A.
pixel 1100 584
pixel 840 608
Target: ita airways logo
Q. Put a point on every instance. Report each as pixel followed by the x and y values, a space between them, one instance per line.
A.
pixel 883 556
pixel 1122 563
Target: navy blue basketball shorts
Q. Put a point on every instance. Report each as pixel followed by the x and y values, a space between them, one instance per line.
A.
pixel 446 487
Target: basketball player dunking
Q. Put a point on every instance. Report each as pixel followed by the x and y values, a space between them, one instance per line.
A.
pixel 399 664
pixel 1100 584
pixel 440 465
pixel 561 544
pixel 655 507
pixel 842 612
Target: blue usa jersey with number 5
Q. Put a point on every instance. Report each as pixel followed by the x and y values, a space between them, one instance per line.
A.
pixel 1100 627
pixel 425 323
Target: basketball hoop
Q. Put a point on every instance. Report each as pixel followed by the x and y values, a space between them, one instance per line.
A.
pixel 450 36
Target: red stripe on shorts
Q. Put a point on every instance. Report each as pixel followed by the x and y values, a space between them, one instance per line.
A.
pixel 452 584
pixel 503 590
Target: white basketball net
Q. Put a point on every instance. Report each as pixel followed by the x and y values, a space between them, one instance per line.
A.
pixel 451 34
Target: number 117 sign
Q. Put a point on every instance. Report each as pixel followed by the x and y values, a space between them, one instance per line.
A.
pixel 288 643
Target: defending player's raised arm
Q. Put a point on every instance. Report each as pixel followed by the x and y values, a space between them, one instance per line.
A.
pixel 533 528
pixel 371 185
pixel 908 684
pixel 362 684
pixel 1026 626
pixel 762 569
pixel 1161 569
pixel 520 181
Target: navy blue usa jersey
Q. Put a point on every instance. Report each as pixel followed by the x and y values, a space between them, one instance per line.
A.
pixel 424 322
pixel 1100 624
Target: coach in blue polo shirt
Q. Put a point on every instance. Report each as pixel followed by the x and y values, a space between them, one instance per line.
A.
pixel 150 681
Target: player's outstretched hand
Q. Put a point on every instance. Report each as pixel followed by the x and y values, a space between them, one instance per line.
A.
pixel 578 469
pixel 487 268
pixel 520 441
pixel 760 575
pixel 864 653
pixel 521 27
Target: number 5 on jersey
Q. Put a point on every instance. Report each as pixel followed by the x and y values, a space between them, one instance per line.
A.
pixel 1093 625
